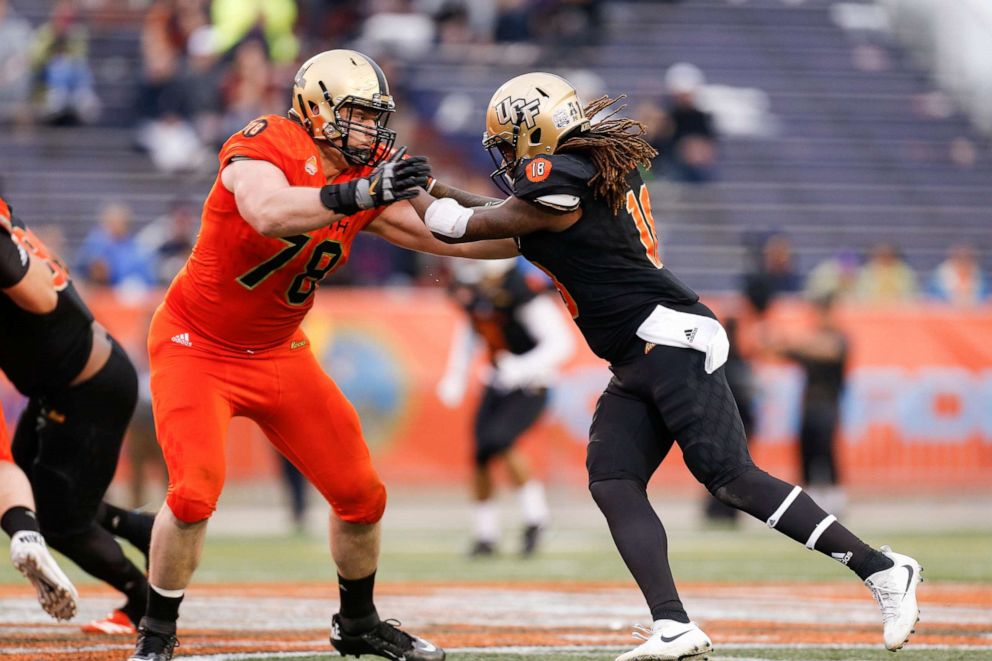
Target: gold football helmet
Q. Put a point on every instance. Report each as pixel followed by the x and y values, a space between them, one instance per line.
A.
pixel 328 90
pixel 528 116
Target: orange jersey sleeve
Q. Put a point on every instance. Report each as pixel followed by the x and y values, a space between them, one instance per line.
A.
pixel 246 291
pixel 5 454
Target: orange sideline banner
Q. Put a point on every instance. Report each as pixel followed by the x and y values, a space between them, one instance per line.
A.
pixel 917 412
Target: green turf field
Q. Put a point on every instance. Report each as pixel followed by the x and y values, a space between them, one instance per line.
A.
pixel 721 556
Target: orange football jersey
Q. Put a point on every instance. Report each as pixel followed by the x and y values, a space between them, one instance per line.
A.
pixel 247 291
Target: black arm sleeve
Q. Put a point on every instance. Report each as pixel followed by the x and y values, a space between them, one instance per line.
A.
pixel 14 260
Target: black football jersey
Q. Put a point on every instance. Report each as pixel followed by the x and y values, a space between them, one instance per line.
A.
pixel 606 266
pixel 41 351
pixel 492 309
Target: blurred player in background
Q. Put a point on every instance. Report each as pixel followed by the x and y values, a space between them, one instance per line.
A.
pixel 579 209
pixel 290 196
pixel 822 356
pixel 81 390
pixel 28 551
pixel 527 341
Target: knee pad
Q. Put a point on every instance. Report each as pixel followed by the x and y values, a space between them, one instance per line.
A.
pixel 190 507
pixel 361 503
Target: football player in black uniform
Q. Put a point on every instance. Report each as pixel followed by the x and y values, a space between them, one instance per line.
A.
pixel 579 209
pixel 28 552
pixel 81 390
pixel 527 341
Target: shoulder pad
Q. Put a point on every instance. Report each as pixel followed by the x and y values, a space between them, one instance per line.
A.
pixel 554 180
pixel 266 138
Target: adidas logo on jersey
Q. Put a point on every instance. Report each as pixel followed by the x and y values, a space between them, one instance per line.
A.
pixel 183 339
pixel 842 558
pixel 690 334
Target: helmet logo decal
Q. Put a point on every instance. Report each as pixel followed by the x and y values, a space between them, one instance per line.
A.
pixel 565 116
pixel 518 111
pixel 255 127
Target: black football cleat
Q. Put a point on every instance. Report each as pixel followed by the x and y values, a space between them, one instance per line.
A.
pixel 532 537
pixel 156 641
pixel 482 549
pixel 385 639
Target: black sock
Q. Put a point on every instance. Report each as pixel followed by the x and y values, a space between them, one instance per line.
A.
pixel 161 608
pixel 640 537
pixel 761 495
pixel 135 527
pixel 18 518
pixel 356 600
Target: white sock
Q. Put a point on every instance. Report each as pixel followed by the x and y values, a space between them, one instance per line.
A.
pixel 533 503
pixel 485 517
pixel 171 594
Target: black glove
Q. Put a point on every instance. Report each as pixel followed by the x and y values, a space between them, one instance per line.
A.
pixel 396 179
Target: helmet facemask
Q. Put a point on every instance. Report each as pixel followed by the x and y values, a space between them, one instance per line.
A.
pixel 340 131
pixel 502 148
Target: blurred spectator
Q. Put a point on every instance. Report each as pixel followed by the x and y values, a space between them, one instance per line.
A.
pixel 245 88
pixel 686 138
pixel 15 78
pixel 774 273
pixel 959 278
pixel 835 276
pixel 886 276
pixel 822 356
pixel 202 76
pixel 569 24
pixel 272 20
pixel 169 239
pixel 512 21
pixel 296 487
pixel 110 255
pixel 59 56
pixel 164 104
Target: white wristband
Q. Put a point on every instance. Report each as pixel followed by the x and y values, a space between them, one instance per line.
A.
pixel 448 218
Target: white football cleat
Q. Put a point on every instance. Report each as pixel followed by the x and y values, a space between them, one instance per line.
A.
pixel 30 556
pixel 668 640
pixel 895 591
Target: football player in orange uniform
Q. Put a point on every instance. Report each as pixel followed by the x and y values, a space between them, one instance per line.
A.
pixel 290 197
pixel 28 551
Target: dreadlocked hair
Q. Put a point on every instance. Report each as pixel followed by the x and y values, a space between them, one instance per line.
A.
pixel 615 147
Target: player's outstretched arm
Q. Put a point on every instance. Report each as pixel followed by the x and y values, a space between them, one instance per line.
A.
pixel 451 222
pixel 273 207
pixel 439 190
pixel 399 224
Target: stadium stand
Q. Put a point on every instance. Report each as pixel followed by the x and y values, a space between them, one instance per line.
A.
pixel 861 147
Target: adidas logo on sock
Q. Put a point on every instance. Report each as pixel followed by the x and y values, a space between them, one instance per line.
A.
pixel 183 339
pixel 842 558
pixel 690 335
